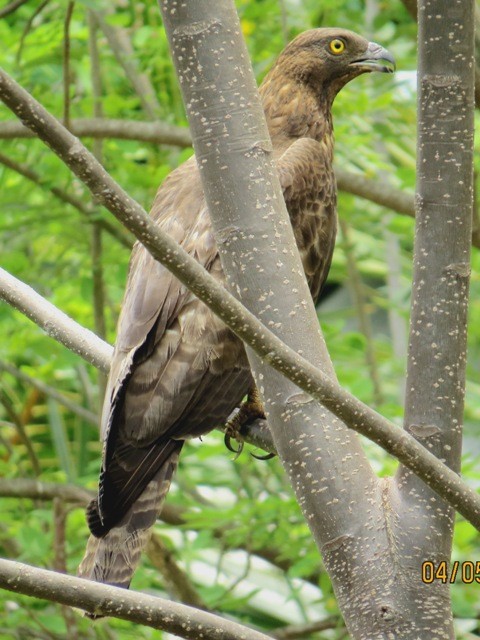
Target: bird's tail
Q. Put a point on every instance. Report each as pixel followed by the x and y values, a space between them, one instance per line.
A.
pixel 113 558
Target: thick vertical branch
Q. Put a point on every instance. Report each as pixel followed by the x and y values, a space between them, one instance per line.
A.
pixel 438 326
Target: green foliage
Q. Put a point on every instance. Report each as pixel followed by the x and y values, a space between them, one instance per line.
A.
pixel 229 505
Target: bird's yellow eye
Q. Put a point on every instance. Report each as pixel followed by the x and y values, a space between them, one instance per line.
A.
pixel 337 46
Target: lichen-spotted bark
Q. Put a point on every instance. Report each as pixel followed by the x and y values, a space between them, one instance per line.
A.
pixel 437 347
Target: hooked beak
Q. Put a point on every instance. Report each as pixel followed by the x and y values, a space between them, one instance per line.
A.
pixel 376 59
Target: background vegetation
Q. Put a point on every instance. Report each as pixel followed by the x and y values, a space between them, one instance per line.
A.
pixel 243 547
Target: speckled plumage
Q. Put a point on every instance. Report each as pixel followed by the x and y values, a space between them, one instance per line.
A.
pixel 177 371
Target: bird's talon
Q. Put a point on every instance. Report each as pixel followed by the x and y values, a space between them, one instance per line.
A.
pixel 267 456
pixel 228 443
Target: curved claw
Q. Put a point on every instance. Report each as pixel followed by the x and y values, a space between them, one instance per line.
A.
pixel 228 443
pixel 267 456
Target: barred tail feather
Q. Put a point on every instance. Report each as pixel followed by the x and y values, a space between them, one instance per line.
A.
pixel 113 558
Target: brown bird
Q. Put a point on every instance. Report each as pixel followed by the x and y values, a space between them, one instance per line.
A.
pixel 177 370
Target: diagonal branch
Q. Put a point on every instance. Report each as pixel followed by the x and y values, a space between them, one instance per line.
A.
pixel 244 324
pixel 104 600
pixel 75 408
pixel 123 51
pixel 11 7
pixel 54 322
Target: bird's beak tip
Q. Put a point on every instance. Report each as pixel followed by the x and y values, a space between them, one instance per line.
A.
pixel 376 59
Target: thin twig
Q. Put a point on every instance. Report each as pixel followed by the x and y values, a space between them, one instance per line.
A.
pixel 100 599
pixel 158 132
pixel 123 51
pixel 36 490
pixel 60 560
pixel 66 64
pixel 77 409
pixel 179 583
pixel 11 7
pixel 96 235
pixel 20 427
pixel 28 27
pixel 284 18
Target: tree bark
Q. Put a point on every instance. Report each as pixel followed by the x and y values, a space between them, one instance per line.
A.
pixel 54 322
pixel 438 326
pixel 101 599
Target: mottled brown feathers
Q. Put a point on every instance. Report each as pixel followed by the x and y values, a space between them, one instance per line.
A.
pixel 177 371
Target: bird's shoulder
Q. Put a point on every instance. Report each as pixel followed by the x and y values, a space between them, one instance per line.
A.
pixel 309 189
pixel 305 168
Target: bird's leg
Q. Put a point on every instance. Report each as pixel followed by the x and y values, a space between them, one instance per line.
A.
pixel 249 411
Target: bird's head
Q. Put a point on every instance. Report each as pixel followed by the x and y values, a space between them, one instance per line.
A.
pixel 327 59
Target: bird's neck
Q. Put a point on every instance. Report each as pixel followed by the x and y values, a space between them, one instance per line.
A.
pixel 294 110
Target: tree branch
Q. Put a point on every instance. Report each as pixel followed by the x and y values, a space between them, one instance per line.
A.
pixel 75 408
pixel 376 191
pixel 104 600
pixel 37 490
pixel 11 7
pixel 435 386
pixel 247 327
pixel 293 632
pixel 66 64
pixel 158 132
pixel 123 51
pixel 54 322
pixel 412 8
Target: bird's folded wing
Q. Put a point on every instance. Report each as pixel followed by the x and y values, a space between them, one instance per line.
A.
pixel 170 354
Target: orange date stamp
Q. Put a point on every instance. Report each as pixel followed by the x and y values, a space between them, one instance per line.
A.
pixel 467 572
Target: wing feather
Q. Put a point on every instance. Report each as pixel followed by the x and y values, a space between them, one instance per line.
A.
pixel 167 358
